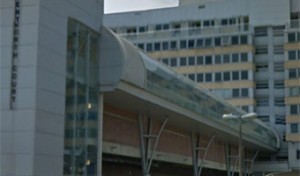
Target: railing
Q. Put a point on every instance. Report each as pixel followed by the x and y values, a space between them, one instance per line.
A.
pixel 186 32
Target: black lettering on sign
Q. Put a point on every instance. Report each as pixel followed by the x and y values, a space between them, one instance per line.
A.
pixel 15 54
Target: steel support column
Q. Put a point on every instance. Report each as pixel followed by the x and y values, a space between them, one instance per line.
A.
pixel 196 149
pixel 147 150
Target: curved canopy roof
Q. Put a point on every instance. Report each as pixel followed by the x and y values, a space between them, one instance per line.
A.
pixel 147 80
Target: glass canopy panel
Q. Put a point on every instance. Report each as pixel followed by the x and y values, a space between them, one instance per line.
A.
pixel 175 88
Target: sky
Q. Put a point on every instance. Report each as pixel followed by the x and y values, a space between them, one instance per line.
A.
pixel 111 6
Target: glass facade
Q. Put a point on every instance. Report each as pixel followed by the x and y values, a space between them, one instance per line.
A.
pixel 81 111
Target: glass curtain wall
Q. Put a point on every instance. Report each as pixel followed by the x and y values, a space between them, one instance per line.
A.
pixel 81 112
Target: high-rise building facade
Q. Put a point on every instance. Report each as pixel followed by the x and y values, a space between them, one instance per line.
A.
pixel 247 52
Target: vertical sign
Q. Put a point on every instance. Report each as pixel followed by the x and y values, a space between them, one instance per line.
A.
pixel 15 54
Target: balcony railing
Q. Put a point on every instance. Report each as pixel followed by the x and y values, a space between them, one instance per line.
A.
pixel 187 32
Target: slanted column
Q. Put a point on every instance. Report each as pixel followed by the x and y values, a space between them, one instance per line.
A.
pixel 147 150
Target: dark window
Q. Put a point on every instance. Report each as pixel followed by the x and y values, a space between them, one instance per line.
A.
pixel 206 23
pixel 294 128
pixel 244 57
pixel 192 76
pixel 199 77
pixel 235 57
pixel 226 58
pixel 245 92
pixel 173 62
pixel 165 26
pixel 244 39
pixel 218 59
pixel 165 61
pixel 234 40
pixel 207 42
pixel 291 37
pixel 191 60
pixel 224 22
pixel 244 75
pixel 158 27
pixel 157 46
pixel 235 75
pixel 142 29
pixel 218 77
pixel 245 108
pixel 191 43
pixel 208 77
pixel 182 44
pixel 173 44
pixel 226 76
pixel 235 93
pixel 293 109
pixel 149 47
pixel 183 61
pixel 292 55
pixel 218 41
pixel 298 154
pixel 199 43
pixel 208 60
pixel 232 21
pixel 141 45
pixel 293 73
pixel 165 45
pixel 200 60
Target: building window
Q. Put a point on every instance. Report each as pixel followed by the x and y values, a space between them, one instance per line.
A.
pixel 292 55
pixel 234 40
pixel 165 26
pixel 262 85
pixel 245 92
pixel 279 102
pixel 298 154
pixel 244 57
pixel 294 91
pixel 165 45
pixel 208 77
pixel 226 58
pixel 165 61
pixel 158 27
pixel 261 31
pixel 182 61
pixel 262 102
pixel 224 22
pixel 218 77
pixel 199 77
pixel 208 60
pixel 217 41
pixel 218 59
pixel 191 76
pixel 261 49
pixel 183 44
pixel 235 93
pixel 191 43
pixel 235 58
pixel 199 43
pixel 294 127
pixel 264 118
pixel 149 47
pixel 141 45
pixel 191 60
pixel 173 45
pixel 244 75
pixel 226 76
pixel 244 39
pixel 200 60
pixel 208 42
pixel 235 75
pixel 294 109
pixel 173 62
pixel 156 46
pixel 292 37
pixel 292 73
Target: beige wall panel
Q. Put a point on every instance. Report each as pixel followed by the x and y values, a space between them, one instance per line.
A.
pixel 292 82
pixel 293 119
pixel 242 102
pixel 291 46
pixel 292 64
pixel 292 100
pixel 293 137
pixel 202 51
pixel 228 85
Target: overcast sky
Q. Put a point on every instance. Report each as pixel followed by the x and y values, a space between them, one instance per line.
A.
pixel 111 6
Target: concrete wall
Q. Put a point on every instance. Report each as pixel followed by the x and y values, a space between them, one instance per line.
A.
pixel 32 134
